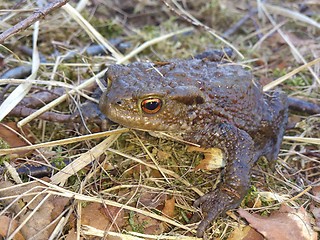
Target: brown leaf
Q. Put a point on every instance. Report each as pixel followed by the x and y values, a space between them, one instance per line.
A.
pixel 115 215
pixel 316 213
pixel 314 206
pixel 155 173
pixel 285 224
pixel 7 226
pixel 213 158
pixel 92 215
pixel 59 204
pixel 104 218
pixel 245 233
pixel 152 199
pixel 135 171
pixel 9 133
pixel 298 41
pixel 316 191
pixel 168 209
pixel 163 155
pixel 71 235
pixel 37 225
pixel 146 225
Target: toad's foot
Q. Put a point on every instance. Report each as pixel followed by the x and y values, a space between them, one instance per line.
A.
pixel 214 204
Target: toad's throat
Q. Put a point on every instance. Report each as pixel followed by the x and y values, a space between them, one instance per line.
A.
pixel 139 121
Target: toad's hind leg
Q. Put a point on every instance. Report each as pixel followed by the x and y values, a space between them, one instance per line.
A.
pixel 238 148
pixel 278 108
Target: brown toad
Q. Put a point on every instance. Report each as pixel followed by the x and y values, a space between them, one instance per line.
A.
pixel 212 104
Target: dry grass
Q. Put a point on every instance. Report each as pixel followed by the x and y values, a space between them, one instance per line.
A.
pixel 138 162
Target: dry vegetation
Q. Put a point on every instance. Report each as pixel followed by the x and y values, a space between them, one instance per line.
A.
pixel 147 185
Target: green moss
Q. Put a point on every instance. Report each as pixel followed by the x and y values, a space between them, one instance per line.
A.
pixel 250 197
pixel 296 80
pixel 279 72
pixel 136 227
pixel 299 82
pixel 4 145
pixel 108 29
pixel 58 160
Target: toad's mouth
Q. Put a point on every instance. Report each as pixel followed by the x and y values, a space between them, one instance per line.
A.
pixel 153 128
pixel 135 119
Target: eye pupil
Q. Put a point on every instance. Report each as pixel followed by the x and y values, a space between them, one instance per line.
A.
pixel 151 105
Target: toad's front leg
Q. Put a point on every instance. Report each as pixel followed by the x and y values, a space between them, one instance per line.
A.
pixel 238 148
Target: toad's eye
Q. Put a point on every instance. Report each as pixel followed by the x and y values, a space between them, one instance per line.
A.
pixel 151 105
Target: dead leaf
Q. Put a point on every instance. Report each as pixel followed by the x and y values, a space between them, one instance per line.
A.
pixel 168 209
pixel 39 226
pixel 265 80
pixel 104 218
pixel 9 133
pixel 155 173
pixel 245 233
pixel 297 41
pixel 115 215
pixel 253 201
pixel 314 207
pixel 316 191
pixel 135 171
pixel 152 199
pixel 146 225
pixel 7 226
pixel 71 235
pixel 213 158
pixel 285 224
pixel 59 204
pixel 305 46
pixel 163 155
pixel 316 213
pixel 92 215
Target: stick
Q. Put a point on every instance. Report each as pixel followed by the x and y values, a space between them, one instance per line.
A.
pixel 31 19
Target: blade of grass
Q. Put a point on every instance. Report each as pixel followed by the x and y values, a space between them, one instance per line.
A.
pixel 89 230
pixel 291 14
pixel 62 176
pixel 163 170
pixel 63 141
pixel 303 139
pixel 22 90
pixel 288 75
pixel 91 31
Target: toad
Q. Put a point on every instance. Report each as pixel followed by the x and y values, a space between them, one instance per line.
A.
pixel 209 103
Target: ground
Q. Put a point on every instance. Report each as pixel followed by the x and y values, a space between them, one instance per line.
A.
pixel 126 182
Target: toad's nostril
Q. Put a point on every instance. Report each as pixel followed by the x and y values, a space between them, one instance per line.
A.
pixel 119 102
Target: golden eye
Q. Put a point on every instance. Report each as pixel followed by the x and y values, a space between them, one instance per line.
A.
pixel 151 105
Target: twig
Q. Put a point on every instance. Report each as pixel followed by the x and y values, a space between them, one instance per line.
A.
pixel 303 106
pixel 189 18
pixel 285 37
pixel 23 111
pixel 41 13
pixel 238 24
